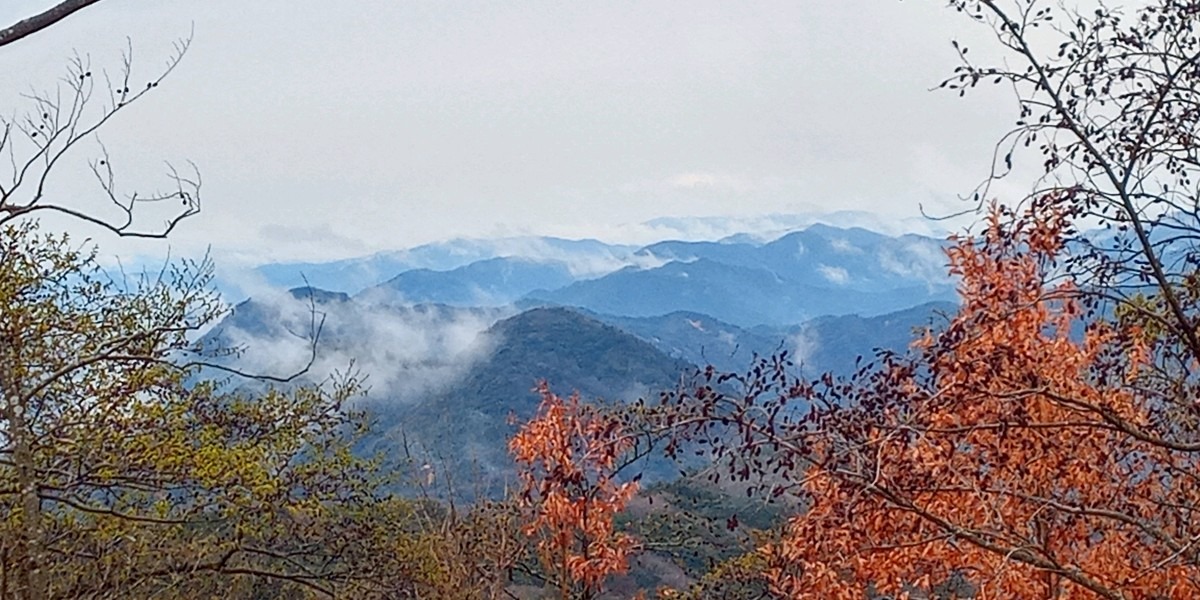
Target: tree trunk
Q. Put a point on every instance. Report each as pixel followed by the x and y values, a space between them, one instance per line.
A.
pixel 30 514
pixel 27 577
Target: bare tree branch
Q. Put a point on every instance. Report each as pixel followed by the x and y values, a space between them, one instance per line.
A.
pixel 42 20
pixel 59 121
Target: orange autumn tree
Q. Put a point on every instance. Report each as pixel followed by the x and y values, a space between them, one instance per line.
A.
pixel 1043 442
pixel 1011 457
pixel 1031 448
pixel 568 455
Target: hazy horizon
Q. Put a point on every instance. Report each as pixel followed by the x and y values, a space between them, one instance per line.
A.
pixel 328 131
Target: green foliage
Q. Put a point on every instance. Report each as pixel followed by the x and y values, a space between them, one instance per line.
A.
pixel 121 474
pixel 704 530
pixel 739 577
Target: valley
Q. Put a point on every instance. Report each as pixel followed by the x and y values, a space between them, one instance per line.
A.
pixel 452 352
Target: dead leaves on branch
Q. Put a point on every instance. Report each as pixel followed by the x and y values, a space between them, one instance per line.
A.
pixel 569 454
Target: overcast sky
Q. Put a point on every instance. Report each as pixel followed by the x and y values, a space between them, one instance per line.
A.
pixel 329 129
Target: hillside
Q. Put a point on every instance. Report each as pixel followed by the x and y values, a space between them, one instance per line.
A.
pixel 465 428
pixel 444 380
pixel 832 343
pixel 829 343
pixel 698 338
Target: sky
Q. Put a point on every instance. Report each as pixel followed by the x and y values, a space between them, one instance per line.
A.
pixel 325 130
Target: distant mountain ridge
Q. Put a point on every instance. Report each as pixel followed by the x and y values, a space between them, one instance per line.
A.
pixel 590 258
pixel 821 270
pixel 488 282
pixel 821 255
pixel 352 275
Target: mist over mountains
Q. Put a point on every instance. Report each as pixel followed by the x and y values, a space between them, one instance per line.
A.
pixel 581 257
pixel 586 258
pixel 803 269
pixel 454 336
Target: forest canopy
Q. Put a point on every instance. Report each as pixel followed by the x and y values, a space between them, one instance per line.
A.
pixel 1040 442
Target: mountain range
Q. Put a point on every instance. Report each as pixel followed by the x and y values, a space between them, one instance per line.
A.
pixel 582 257
pixel 818 271
pixel 455 340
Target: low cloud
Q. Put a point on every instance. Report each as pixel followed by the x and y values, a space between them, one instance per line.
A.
pixel 596 260
pixel 406 353
pixel 920 260
pixel 844 247
pixel 803 345
pixel 763 228
pixel 836 275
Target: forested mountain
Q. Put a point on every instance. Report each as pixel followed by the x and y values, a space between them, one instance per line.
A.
pixel 830 343
pixel 466 426
pixel 444 381
pixel 454 341
pixel 732 293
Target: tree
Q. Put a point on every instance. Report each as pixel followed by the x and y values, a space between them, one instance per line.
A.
pixel 1016 454
pixel 1109 98
pixel 467 555
pixel 1043 442
pixel 569 456
pixel 126 471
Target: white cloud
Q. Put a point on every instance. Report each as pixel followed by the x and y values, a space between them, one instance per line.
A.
pixel 803 345
pixel 836 275
pixel 800 249
pixel 844 247
pixel 701 179
pixel 405 353
pixel 584 264
pixel 921 260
